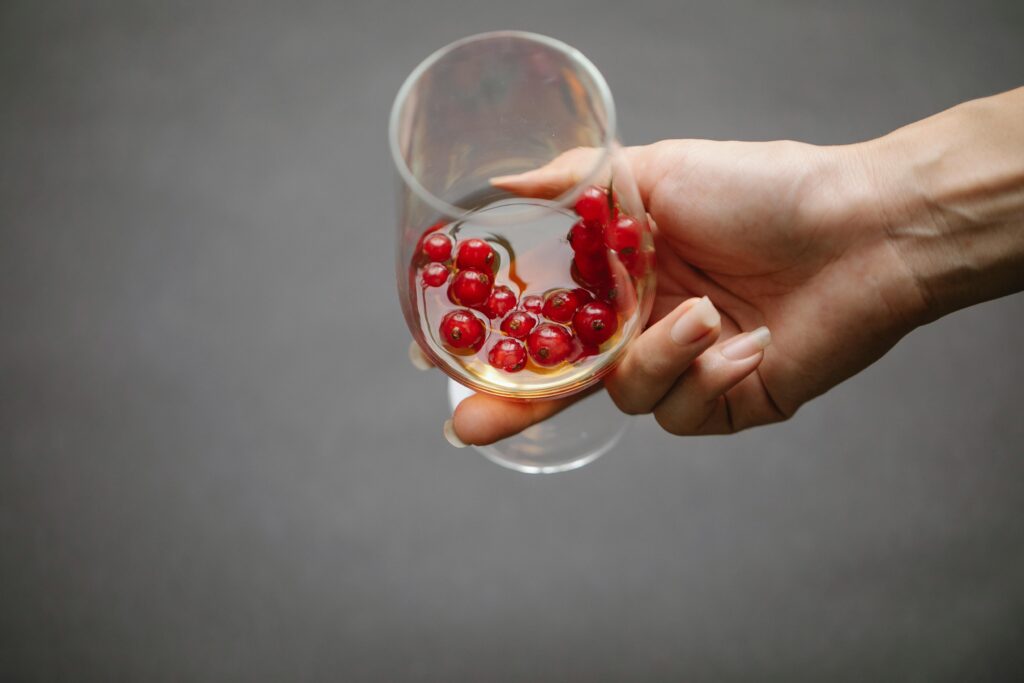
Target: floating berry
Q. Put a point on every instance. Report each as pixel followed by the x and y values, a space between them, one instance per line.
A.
pixel 437 248
pixel 595 323
pixel 435 274
pixel 470 288
pixel 508 355
pixel 475 253
pixel 533 303
pixel 584 239
pixel 592 206
pixel 584 351
pixel 549 344
pixel 460 329
pixel 638 263
pixel 592 269
pixel 608 291
pixel 560 305
pixel 501 301
pixel 583 296
pixel 623 235
pixel 518 324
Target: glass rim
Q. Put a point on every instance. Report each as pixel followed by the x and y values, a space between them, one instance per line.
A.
pixel 573 54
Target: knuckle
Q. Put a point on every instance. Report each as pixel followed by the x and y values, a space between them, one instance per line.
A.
pixel 649 367
pixel 672 422
pixel 627 401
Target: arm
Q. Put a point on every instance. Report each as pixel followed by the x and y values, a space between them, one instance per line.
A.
pixel 951 199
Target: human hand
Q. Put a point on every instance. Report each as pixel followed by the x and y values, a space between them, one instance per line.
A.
pixel 808 242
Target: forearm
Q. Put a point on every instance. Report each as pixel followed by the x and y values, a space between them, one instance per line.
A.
pixel 951 197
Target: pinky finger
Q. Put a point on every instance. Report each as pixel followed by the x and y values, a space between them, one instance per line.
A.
pixel 696 404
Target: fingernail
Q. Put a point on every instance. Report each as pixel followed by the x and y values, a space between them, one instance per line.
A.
pixel 698 320
pixel 747 344
pixel 417 357
pixel 453 438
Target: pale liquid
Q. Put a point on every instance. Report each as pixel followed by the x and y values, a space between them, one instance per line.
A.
pixel 533 258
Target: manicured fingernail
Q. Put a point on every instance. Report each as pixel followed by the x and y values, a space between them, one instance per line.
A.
pixel 698 320
pixel 417 357
pixel 505 179
pixel 748 344
pixel 453 438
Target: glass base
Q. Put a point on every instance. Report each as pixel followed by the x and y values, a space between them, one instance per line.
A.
pixel 578 435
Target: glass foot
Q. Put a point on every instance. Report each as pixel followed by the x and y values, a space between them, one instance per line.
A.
pixel 575 437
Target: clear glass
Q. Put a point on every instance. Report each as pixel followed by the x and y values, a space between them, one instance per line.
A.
pixel 500 104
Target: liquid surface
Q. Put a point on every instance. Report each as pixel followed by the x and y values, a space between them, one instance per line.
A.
pixel 532 258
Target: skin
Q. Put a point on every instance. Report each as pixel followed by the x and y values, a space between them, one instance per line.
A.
pixel 839 251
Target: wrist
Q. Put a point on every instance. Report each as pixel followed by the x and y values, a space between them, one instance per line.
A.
pixel 948 195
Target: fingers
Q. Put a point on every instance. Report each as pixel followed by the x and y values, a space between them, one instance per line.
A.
pixel 696 403
pixel 481 419
pixel 570 168
pixel 656 359
pixel 551 180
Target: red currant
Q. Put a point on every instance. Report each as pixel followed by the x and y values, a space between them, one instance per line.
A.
pixel 592 269
pixel 518 324
pixel 608 291
pixel 501 301
pixel 437 248
pixel 595 323
pixel 549 344
pixel 460 329
pixel 585 351
pixel 583 239
pixel 475 253
pixel 470 288
pixel 592 206
pixel 435 274
pixel 623 236
pixel 583 296
pixel 533 303
pixel 508 355
pixel 560 305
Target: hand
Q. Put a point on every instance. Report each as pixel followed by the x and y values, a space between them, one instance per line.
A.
pixel 808 242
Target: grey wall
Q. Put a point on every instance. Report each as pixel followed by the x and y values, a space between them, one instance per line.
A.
pixel 216 463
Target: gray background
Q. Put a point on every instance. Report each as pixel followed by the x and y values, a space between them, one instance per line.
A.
pixel 217 464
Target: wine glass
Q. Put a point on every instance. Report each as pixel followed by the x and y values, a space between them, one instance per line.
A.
pixel 518 295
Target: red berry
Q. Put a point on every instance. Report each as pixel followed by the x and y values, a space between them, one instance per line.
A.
pixel 518 324
pixel 592 206
pixel 623 236
pixel 533 303
pixel 470 288
pixel 638 263
pixel 595 323
pixel 583 296
pixel 549 344
pixel 501 301
pixel 592 269
pixel 460 329
pixel 437 248
pixel 435 274
pixel 608 291
pixel 560 305
pixel 508 355
pixel 584 239
pixel 475 253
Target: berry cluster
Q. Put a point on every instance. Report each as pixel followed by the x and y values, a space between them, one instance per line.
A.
pixel 563 325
